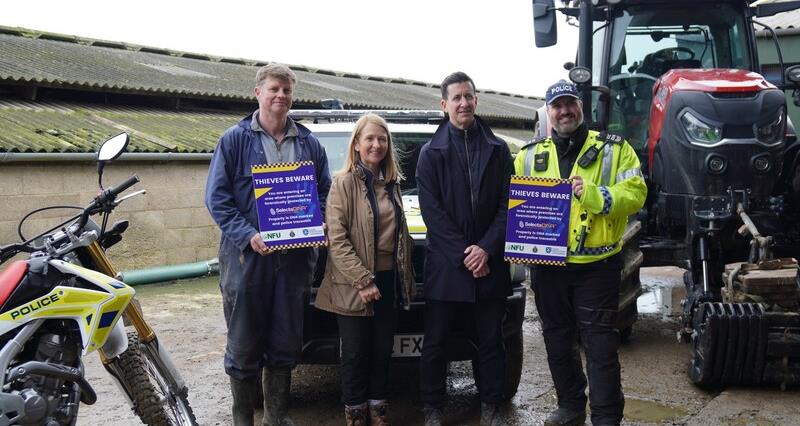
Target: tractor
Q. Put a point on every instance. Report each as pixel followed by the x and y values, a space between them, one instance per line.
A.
pixel 680 81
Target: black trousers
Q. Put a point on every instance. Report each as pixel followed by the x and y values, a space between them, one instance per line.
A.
pixel 366 346
pixel 482 322
pixel 582 299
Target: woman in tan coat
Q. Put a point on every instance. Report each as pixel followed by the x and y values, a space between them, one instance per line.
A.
pixel 369 275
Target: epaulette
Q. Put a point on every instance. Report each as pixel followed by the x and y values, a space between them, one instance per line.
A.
pixel 611 138
pixel 533 142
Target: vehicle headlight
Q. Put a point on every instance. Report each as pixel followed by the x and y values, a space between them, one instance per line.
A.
pixel 699 131
pixel 771 132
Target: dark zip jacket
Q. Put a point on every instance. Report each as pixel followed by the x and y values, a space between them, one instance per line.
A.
pixel 456 219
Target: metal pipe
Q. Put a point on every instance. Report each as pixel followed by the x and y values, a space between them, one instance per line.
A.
pixel 585 54
pixel 10 157
pixel 169 273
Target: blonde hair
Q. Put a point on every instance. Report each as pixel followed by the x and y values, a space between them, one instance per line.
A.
pixel 391 168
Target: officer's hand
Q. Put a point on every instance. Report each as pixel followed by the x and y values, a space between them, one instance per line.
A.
pixel 481 272
pixel 476 257
pixel 369 293
pixel 577 185
pixel 325 233
pixel 258 246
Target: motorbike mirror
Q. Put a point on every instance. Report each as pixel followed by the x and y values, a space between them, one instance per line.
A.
pixel 113 148
pixel 109 151
pixel 544 23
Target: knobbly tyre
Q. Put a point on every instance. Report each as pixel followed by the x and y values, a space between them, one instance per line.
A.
pixel 681 81
pixel 62 304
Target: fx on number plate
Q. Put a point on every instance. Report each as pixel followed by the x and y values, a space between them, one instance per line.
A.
pixel 407 345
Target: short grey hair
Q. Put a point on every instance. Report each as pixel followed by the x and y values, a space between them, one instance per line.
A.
pixel 276 71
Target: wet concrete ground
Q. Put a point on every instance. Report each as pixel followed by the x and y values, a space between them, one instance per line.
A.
pixel 188 318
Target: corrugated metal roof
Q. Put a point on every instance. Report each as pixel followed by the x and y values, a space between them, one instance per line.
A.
pixel 50 127
pixel 60 60
pixel 45 127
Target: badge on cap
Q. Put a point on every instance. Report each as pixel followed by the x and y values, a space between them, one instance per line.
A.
pixel 562 88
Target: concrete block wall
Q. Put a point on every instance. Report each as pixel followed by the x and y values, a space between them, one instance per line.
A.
pixel 168 225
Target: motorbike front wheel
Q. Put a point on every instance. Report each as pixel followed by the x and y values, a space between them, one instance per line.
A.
pixel 152 389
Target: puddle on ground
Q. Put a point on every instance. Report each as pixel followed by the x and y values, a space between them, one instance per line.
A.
pixel 663 290
pixel 639 410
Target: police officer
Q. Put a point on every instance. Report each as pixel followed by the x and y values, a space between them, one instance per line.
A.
pixel 583 296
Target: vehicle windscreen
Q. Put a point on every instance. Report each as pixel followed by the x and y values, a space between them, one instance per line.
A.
pixel 407 147
pixel 646 42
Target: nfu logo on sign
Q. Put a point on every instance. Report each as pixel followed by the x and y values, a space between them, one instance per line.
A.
pixel 272 235
pixel 518 248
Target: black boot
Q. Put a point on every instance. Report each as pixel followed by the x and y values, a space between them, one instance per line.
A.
pixel 565 417
pixel 243 392
pixel 490 415
pixel 277 382
pixel 433 416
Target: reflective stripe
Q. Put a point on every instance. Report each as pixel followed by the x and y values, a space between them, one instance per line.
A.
pixel 593 251
pixel 529 160
pixel 608 159
pixel 607 200
pixel 627 174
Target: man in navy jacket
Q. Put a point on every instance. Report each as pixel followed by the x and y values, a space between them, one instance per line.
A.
pixel 263 290
pixel 463 177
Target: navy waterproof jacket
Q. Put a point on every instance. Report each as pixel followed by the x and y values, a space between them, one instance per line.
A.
pixel 452 222
pixel 229 189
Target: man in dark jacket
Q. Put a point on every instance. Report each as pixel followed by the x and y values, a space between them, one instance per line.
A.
pixel 263 290
pixel 463 176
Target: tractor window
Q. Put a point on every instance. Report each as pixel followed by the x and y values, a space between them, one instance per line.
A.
pixel 648 41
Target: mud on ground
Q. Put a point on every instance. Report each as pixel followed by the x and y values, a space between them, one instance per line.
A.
pixel 187 317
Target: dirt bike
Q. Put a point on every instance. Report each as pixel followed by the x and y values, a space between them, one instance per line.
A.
pixel 61 304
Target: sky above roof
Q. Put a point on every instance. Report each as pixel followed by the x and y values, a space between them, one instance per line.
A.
pixel 424 40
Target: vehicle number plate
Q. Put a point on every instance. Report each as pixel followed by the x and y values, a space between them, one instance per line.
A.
pixel 407 345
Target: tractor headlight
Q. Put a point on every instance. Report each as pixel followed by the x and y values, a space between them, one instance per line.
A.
pixel 580 75
pixel 699 131
pixel 773 131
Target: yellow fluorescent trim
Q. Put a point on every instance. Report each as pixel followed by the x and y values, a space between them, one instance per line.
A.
pixel 514 203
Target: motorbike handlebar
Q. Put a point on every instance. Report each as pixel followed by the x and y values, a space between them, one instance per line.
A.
pixel 133 180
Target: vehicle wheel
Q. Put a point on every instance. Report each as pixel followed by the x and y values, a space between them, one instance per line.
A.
pixel 513 367
pixel 154 402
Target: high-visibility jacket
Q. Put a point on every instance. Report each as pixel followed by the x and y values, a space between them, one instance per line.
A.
pixel 613 189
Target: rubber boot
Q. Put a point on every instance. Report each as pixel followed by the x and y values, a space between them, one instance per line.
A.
pixel 356 415
pixel 379 414
pixel 490 415
pixel 243 392
pixel 433 416
pixel 277 382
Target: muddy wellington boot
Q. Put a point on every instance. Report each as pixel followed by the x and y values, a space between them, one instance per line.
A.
pixel 243 392
pixel 433 416
pixel 277 382
pixel 490 415
pixel 356 415
pixel 379 414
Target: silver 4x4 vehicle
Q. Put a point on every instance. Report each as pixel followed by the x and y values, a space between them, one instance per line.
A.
pixel 410 131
